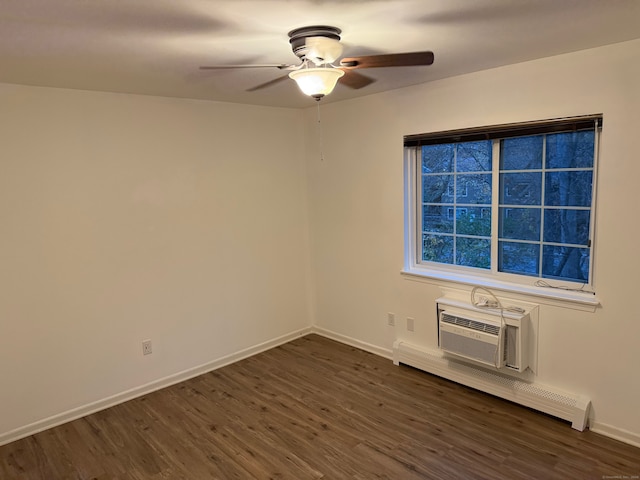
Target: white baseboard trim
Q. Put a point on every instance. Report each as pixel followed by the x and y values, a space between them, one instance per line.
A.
pixel 127 395
pixel 568 406
pixel 615 433
pixel 367 347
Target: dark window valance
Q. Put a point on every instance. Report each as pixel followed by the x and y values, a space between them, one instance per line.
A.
pixel 539 127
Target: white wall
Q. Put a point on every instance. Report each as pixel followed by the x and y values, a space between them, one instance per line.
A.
pixel 356 214
pixel 125 218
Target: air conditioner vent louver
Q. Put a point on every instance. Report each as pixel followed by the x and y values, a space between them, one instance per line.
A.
pixel 471 324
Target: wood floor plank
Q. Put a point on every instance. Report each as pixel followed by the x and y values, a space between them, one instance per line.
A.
pixel 317 409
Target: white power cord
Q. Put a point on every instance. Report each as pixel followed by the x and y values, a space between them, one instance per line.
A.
pixel 542 283
pixel 491 303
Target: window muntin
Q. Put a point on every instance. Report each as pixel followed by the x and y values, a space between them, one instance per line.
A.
pixel 542 206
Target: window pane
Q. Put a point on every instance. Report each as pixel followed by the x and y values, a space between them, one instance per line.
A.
pixel 570 150
pixel 474 188
pixel 437 189
pixel 437 219
pixel 565 263
pixel 523 153
pixel 521 258
pixel 474 157
pixel 437 158
pixel 568 189
pixel 520 223
pixel 473 221
pixel 520 188
pixel 437 248
pixel 473 252
pixel 566 226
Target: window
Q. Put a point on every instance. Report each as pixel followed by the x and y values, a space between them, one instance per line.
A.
pixel 512 202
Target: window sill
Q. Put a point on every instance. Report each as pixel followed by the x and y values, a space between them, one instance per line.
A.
pixel 584 301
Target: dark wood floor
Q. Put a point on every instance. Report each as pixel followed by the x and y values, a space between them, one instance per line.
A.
pixel 311 409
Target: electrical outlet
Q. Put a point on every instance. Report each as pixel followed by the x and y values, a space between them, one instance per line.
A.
pixel 146 347
pixel 391 319
pixel 410 323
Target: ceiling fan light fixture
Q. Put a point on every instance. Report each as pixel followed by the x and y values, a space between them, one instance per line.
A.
pixel 317 82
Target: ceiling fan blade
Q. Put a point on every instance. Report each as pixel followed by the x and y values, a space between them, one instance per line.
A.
pixel 389 60
pixel 354 79
pixel 268 84
pixel 280 66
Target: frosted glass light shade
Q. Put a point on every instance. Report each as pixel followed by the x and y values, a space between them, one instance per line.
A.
pixel 316 82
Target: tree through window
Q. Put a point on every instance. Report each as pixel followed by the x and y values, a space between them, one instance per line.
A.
pixel 514 199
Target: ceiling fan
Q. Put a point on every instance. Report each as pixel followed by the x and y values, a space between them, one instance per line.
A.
pixel 318 47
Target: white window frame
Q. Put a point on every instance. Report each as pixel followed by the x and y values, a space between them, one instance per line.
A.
pixel 415 269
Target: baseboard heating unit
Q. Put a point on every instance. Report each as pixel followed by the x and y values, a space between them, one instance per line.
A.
pixel 570 407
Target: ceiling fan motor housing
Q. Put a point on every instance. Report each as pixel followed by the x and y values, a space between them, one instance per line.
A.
pixel 320 44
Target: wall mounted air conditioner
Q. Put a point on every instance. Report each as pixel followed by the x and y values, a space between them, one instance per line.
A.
pixel 486 336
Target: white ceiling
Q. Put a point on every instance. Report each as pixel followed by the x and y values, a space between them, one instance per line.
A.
pixel 156 46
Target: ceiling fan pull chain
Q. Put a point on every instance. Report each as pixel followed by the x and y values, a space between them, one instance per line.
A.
pixel 320 136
